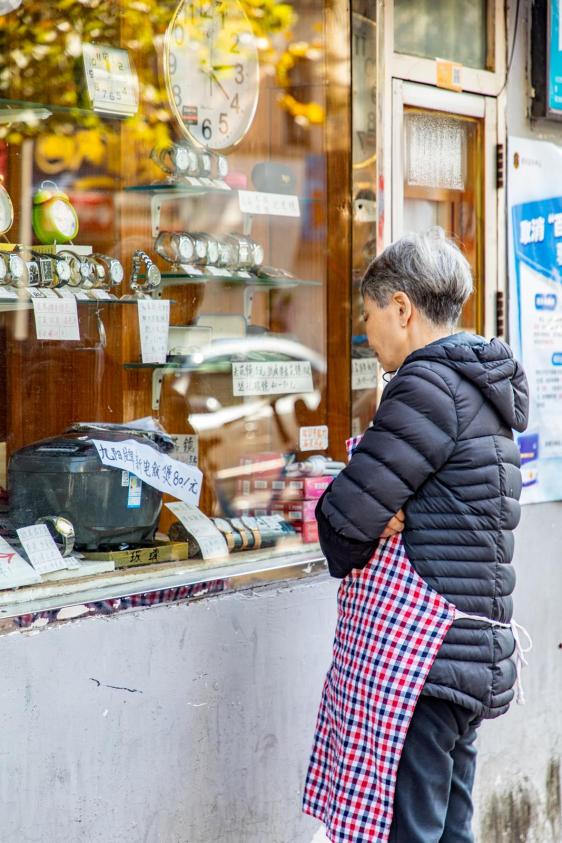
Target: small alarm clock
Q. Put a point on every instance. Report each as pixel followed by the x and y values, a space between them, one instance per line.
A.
pixel 54 219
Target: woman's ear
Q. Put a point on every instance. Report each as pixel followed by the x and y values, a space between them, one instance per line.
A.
pixel 404 307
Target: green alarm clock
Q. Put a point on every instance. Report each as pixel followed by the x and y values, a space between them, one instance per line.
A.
pixel 54 218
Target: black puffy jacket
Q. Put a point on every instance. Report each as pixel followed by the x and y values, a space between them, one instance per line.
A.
pixel 441 447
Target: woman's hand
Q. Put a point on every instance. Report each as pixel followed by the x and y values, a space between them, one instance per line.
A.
pixel 394 526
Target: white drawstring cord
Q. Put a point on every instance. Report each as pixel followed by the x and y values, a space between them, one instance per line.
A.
pixel 520 651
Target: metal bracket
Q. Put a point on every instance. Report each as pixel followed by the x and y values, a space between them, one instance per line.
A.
pixel 158 376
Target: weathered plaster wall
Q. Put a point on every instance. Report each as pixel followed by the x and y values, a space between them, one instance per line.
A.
pixel 179 724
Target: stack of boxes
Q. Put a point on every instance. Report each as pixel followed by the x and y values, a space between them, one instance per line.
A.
pixel 297 503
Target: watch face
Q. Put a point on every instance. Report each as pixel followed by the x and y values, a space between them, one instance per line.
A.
pixel 244 253
pixel 212 71
pixel 3 269
pixel 33 274
pixel 212 251
pixel 63 270
pixel 205 164
pixel 227 253
pixel 86 270
pixel 18 268
pixel 153 275
pixel 6 210
pixel 184 248
pixel 364 94
pixel 257 254
pixel 115 272
pixel 200 249
pixel 64 218
pixel 222 166
pixel 180 157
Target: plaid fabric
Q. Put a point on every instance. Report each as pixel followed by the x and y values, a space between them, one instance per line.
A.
pixel 389 629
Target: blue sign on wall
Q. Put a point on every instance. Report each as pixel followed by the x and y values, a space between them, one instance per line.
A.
pixel 555 58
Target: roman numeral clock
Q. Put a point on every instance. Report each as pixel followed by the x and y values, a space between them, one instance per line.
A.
pixel 211 69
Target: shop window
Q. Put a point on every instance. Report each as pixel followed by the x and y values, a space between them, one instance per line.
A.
pixel 164 280
pixel 457 30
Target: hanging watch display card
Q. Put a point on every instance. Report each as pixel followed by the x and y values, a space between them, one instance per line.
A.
pixel 14 570
pixel 56 319
pixel 41 549
pixel 112 82
pixel 154 322
pixel 211 541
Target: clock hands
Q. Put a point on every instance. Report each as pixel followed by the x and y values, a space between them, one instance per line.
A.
pixel 214 78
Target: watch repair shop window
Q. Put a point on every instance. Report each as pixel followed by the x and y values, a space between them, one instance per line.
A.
pixel 162 286
pixel 456 30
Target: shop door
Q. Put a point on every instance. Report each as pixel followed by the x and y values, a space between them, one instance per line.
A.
pixel 443 146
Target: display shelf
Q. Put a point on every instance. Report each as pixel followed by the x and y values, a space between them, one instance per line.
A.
pixel 170 279
pixel 70 110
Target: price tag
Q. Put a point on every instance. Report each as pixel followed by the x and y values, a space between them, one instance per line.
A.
pixel 41 549
pixel 210 540
pixel 243 274
pixel 220 184
pixel 101 295
pixel 186 447
pixel 154 323
pixel 313 438
pixel 152 467
pixel 207 182
pixel 273 204
pixel 271 378
pixel 8 293
pixel 217 271
pixel 65 293
pixel 56 319
pixel 191 270
pixel 193 181
pixel 81 295
pixel 14 570
pixel 363 373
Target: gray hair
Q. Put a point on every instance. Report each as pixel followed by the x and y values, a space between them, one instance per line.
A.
pixel 429 268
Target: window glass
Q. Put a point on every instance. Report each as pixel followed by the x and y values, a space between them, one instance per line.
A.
pixel 164 162
pixel 447 29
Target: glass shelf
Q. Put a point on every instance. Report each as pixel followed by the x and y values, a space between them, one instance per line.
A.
pixel 184 189
pixel 70 110
pixel 267 282
pixel 188 363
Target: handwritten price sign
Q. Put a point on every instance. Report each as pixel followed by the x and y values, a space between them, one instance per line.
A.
pixel 158 470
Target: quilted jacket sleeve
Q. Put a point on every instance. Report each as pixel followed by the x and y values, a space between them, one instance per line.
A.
pixel 413 435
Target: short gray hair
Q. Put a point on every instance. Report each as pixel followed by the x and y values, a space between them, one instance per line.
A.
pixel 429 268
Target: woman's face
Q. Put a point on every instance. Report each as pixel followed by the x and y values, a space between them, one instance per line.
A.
pixel 386 329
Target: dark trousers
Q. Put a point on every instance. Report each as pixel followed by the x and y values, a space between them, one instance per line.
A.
pixel 433 798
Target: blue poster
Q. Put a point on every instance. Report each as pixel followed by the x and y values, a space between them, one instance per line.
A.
pixel 535 262
pixel 555 58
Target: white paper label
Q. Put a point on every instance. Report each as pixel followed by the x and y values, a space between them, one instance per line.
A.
pixel 65 293
pixel 56 319
pixel 271 378
pixel 186 447
pixel 14 570
pixel 275 204
pixel 101 295
pixel 193 181
pixel 154 322
pixel 158 470
pixel 81 295
pixel 210 540
pixel 313 438
pixel 363 373
pixel 7 293
pixel 41 549
pixel 217 271
pixel 191 270
pixel 220 184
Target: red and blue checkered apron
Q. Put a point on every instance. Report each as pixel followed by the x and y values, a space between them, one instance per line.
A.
pixel 390 626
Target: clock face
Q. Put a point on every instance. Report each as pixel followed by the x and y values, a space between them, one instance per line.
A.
pixel 64 218
pixel 364 102
pixel 6 210
pixel 212 71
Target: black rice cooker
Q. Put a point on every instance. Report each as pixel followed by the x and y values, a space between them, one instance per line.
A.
pixel 64 476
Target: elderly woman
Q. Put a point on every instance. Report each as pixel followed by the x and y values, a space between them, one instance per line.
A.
pixel 438 469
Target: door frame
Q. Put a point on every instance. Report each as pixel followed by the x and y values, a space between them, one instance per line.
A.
pixel 466 105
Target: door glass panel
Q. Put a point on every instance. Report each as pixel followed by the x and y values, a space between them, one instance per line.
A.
pixel 445 29
pixel 443 186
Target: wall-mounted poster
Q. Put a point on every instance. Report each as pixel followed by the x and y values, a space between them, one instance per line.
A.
pixel 535 284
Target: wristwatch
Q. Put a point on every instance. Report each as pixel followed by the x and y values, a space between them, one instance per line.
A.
pixel 175 247
pixel 109 270
pixel 18 271
pixel 33 273
pixel 70 274
pixel 206 248
pixel 221 166
pixel 152 275
pixel 176 159
pixel 46 266
pixel 63 531
pixel 225 528
pixel 227 251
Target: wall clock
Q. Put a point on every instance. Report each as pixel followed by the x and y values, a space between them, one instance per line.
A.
pixel 211 68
